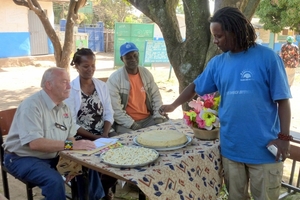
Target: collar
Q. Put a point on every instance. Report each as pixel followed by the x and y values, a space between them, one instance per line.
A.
pixel 49 103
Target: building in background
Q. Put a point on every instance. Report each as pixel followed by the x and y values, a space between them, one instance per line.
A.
pixel 272 40
pixel 21 31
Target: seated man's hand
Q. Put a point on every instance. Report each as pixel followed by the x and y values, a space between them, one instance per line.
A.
pixel 84 144
pixel 159 120
pixel 135 126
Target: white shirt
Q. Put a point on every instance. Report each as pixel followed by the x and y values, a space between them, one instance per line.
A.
pixel 74 100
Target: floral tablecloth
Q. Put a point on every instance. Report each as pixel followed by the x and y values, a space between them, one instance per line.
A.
pixel 192 172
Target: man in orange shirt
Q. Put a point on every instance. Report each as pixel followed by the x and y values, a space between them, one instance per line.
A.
pixel 135 97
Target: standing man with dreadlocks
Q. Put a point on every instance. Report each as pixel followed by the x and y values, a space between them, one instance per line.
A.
pixel 250 78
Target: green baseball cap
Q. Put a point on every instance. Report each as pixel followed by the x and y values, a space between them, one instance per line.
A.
pixel 290 39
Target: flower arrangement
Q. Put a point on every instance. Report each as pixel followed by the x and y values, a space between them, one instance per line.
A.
pixel 205 112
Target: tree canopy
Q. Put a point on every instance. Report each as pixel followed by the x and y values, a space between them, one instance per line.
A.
pixel 106 11
pixel 277 15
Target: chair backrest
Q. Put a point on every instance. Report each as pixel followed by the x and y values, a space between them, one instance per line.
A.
pixel 104 79
pixel 6 118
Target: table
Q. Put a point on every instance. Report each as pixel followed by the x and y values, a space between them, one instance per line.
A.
pixel 192 172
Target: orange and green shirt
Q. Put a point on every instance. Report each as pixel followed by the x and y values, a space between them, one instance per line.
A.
pixel 136 106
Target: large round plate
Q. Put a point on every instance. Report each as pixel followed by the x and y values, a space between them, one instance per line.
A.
pixel 130 165
pixel 189 140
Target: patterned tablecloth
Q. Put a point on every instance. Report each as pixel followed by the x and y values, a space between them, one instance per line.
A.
pixel 192 172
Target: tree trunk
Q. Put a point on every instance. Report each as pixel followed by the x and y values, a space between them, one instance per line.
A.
pixel 188 56
pixel 61 54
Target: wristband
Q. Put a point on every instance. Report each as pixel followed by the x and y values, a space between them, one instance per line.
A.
pixel 284 137
pixel 68 145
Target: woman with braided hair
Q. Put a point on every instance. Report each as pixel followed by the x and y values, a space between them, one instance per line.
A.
pixel 254 110
pixel 90 105
pixel 89 100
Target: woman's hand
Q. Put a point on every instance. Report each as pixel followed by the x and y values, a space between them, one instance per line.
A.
pixel 112 134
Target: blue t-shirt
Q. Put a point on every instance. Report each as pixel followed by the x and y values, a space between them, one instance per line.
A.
pixel 249 83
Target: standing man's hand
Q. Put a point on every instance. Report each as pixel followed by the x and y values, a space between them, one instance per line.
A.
pixel 283 148
pixel 164 109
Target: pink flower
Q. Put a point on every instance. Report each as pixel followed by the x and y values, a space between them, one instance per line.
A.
pixel 200 122
pixel 205 112
pixel 196 104
pixel 187 119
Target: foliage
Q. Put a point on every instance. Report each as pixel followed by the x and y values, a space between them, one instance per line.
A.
pixel 277 15
pixel 205 112
pixel 60 10
pixel 111 11
pixel 106 11
pixel 179 9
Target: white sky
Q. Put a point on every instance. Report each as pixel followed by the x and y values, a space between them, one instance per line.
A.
pixel 211 6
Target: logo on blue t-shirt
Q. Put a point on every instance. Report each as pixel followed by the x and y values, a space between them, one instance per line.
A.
pixel 246 75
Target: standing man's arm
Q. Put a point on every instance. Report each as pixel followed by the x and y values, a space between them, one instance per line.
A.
pixel 284 113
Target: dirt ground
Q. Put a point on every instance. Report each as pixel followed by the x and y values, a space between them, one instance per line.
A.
pixel 21 78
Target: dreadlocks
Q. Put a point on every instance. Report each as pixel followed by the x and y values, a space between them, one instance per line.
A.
pixel 81 52
pixel 232 20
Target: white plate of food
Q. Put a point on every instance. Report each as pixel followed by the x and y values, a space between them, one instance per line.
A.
pixel 129 156
pixel 169 148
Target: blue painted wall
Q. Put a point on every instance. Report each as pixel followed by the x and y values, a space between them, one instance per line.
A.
pixel 50 47
pixel 96 36
pixel 277 46
pixel 14 44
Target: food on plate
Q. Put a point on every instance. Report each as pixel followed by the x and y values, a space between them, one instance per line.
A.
pixel 161 138
pixel 128 155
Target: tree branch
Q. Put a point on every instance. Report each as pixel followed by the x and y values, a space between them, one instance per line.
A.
pixel 21 3
pixel 35 9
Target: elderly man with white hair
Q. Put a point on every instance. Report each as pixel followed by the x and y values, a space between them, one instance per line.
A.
pixel 41 128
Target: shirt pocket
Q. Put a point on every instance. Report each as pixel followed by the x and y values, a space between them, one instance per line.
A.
pixel 56 134
pixel 275 176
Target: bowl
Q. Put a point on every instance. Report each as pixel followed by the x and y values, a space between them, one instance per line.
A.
pixel 204 134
